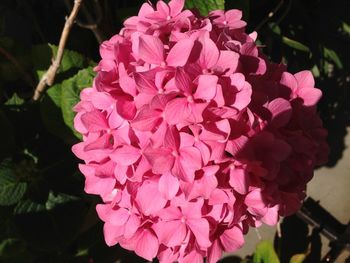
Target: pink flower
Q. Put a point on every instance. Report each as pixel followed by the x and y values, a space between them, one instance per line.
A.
pixel 191 136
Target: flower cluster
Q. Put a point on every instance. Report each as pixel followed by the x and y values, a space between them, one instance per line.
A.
pixel 191 136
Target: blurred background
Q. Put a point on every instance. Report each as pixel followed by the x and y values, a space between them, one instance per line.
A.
pixel 45 216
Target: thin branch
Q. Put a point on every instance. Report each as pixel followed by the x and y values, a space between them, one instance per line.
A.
pixel 49 77
pixel 93 24
pixel 25 76
pixel 269 15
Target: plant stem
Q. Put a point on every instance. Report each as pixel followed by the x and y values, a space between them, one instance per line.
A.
pixel 49 77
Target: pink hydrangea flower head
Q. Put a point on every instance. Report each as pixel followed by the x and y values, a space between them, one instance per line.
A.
pixel 191 136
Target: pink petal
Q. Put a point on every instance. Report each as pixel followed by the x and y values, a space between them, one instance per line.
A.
pixel 151 49
pixel 172 138
pixel 281 111
pixel 114 119
pixel 233 15
pixel 143 84
pixel 214 252
pixel 149 198
pixel 95 184
pixel 128 85
pixel 163 9
pixel 112 233
pixel 183 81
pixel 227 63
pixel 239 180
pixel 147 245
pixel 171 233
pixel 160 159
pixel 209 54
pixel 289 80
pixel 180 53
pixel 102 100
pixel 206 89
pixel 271 217
pixel 132 225
pixel 177 111
pixel 126 155
pixel 176 6
pixel 126 109
pixel 168 186
pixel 94 121
pixel 200 229
pixel 305 79
pixel 190 158
pixel 310 96
pixel 232 239
pixel 146 120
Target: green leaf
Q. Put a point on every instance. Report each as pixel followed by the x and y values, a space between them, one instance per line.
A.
pixel 331 55
pixel 265 253
pixel 346 27
pixel 315 71
pixel 58 199
pixel 43 54
pixel 205 6
pixel 275 28
pixel 51 114
pixel 295 44
pixel 11 190
pixel 14 250
pixel 7 246
pixel 71 89
pixel 15 100
pixel 28 206
pixel 298 258
pixel 53 201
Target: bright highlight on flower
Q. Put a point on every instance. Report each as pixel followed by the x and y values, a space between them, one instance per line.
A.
pixel 191 136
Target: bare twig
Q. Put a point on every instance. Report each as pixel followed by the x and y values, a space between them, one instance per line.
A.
pixel 49 77
pixel 93 24
pixel 25 76
pixel 269 15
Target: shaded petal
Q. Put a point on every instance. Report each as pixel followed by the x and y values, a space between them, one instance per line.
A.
pixel 183 81
pixel 143 84
pixel 126 109
pixel 281 111
pixel 172 138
